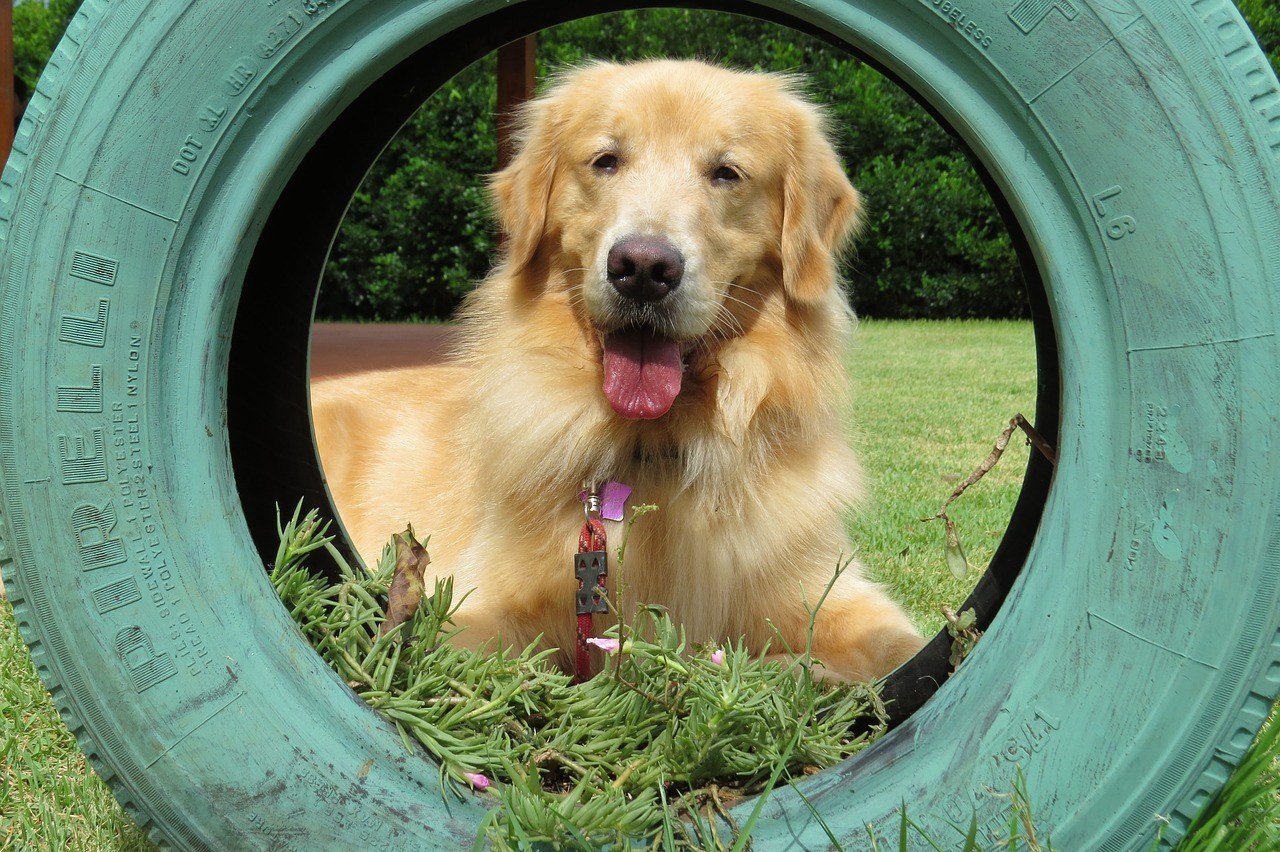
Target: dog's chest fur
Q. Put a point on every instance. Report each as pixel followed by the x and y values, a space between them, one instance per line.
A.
pixel 714 538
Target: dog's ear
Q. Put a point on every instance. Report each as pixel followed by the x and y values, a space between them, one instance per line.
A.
pixel 821 210
pixel 521 192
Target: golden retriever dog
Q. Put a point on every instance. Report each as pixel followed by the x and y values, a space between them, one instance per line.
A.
pixel 666 313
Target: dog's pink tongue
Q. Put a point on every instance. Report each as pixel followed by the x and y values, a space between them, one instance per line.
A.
pixel 642 373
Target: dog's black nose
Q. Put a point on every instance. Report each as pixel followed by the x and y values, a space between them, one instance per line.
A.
pixel 645 269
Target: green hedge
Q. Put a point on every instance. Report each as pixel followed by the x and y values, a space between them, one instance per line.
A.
pixel 37 29
pixel 418 233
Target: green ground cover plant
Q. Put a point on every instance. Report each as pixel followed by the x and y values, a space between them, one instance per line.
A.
pixel 664 731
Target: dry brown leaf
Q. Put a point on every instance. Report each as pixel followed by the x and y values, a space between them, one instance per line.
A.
pixel 408 582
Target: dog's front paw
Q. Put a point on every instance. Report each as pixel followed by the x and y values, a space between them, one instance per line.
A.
pixel 868 654
pixel 898 647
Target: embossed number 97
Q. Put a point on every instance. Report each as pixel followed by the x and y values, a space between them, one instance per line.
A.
pixel 1120 226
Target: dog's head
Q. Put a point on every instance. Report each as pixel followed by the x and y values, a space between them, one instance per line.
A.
pixel 674 203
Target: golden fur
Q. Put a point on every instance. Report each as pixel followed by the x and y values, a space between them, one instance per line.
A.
pixel 750 466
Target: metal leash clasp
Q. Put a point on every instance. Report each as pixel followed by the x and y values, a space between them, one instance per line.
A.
pixel 591 506
pixel 591 566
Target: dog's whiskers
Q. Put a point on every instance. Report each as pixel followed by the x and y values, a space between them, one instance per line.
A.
pixel 723 313
pixel 740 287
pixel 728 315
pixel 745 304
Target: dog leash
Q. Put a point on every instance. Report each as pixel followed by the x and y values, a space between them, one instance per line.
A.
pixel 600 503
pixel 591 567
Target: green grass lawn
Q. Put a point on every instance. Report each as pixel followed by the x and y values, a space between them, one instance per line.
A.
pixel 49 797
pixel 930 398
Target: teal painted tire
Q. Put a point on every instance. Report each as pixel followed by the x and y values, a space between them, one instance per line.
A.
pixel 1137 143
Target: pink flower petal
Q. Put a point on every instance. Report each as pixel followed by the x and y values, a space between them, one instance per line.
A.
pixel 608 645
pixel 718 657
pixel 479 781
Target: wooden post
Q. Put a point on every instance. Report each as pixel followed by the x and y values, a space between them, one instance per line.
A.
pixel 516 72
pixel 6 80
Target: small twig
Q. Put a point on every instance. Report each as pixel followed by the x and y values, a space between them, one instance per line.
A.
pixel 709 815
pixel 720 809
pixel 1002 443
pixel 626 773
pixel 636 689
pixel 956 559
pixel 1037 440
pixel 553 755
pixel 982 470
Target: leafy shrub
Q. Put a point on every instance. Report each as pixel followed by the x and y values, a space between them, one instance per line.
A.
pixel 418 233
pixel 37 29
pixel 1264 17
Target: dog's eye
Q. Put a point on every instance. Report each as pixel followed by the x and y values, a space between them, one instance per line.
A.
pixel 726 174
pixel 607 163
